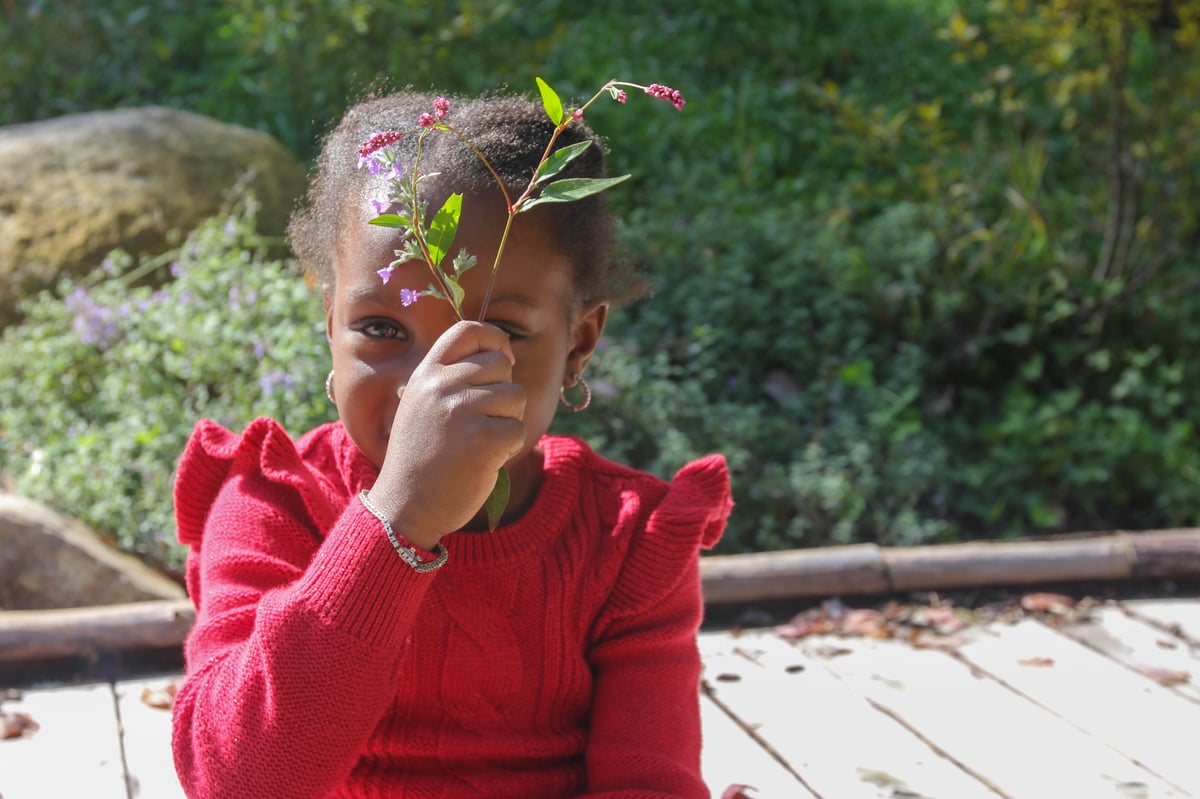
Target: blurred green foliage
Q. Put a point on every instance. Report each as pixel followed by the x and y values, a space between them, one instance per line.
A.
pixel 925 270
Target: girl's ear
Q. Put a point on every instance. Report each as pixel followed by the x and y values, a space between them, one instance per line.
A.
pixel 585 336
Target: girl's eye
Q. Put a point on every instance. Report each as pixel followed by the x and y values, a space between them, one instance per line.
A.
pixel 379 328
pixel 513 332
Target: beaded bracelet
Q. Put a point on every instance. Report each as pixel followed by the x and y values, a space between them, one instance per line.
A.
pixel 408 554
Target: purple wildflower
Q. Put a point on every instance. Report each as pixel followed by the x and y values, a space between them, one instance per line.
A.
pixel 385 274
pixel 260 350
pixel 376 143
pixel 397 171
pixel 379 205
pixel 441 107
pixel 272 380
pixel 666 93
pixel 408 296
pixel 93 323
pixel 176 269
pixel 427 121
pixel 109 266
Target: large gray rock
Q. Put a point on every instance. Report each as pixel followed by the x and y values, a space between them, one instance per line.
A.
pixel 75 187
pixel 48 560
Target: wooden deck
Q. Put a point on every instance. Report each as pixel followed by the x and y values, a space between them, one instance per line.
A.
pixel 1083 706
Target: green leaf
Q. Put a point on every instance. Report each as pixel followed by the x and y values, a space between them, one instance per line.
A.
pixel 497 501
pixel 457 293
pixel 559 159
pixel 571 189
pixel 442 229
pixel 391 220
pixel 550 102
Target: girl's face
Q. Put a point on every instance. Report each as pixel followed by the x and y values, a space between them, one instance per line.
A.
pixel 376 342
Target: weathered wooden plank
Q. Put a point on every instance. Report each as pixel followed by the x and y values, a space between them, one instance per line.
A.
pixel 76 751
pixel 1019 748
pixel 1183 614
pixel 732 757
pixel 1132 714
pixel 839 745
pixel 146 737
pixel 1159 655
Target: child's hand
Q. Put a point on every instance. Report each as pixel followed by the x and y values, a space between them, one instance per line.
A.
pixel 458 422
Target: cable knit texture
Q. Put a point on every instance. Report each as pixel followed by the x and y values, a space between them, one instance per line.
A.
pixel 555 657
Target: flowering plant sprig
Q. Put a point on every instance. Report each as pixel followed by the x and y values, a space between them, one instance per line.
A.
pixel 428 237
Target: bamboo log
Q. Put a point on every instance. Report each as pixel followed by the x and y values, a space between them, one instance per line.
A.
pixel 1166 554
pixel 28 635
pixel 860 569
pixel 1008 563
pixel 863 569
pixel 854 569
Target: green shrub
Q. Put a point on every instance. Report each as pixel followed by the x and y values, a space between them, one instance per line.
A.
pixel 101 384
pixel 923 270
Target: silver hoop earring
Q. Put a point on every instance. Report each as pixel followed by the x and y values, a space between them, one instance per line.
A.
pixel 329 387
pixel 576 407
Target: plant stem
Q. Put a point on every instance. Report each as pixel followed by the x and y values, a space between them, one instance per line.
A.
pixel 515 208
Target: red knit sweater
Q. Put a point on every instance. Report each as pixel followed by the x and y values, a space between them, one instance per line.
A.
pixel 554 657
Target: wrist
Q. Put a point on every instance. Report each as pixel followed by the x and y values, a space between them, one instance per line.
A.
pixel 418 554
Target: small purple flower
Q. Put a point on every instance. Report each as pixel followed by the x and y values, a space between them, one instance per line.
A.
pixel 397 171
pixel 408 296
pixel 176 269
pixel 380 206
pixel 666 93
pixel 441 107
pixel 230 228
pixel 427 121
pixel 260 350
pixel 622 97
pixel 385 274
pixel 374 166
pixel 109 266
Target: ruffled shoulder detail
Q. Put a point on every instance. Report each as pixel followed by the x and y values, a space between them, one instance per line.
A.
pixel 697 504
pixel 214 455
pixel 685 516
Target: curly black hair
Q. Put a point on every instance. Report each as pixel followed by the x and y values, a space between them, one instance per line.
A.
pixel 512 133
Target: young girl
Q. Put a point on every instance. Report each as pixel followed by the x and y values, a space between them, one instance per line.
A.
pixel 360 632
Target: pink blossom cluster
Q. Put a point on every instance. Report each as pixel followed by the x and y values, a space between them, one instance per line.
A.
pixel 376 143
pixel 441 107
pixel 673 96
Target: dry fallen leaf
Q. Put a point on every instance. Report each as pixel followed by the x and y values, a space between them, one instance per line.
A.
pixel 738 792
pixel 162 697
pixel 1168 677
pixel 1047 603
pixel 17 725
pixel 864 622
pixel 1040 662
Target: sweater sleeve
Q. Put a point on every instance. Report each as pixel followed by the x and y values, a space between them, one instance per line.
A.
pixel 293 657
pixel 644 739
